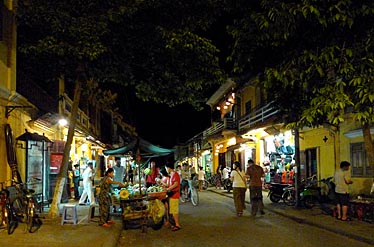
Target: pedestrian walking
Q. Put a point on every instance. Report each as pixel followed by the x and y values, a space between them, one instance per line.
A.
pixel 88 177
pixel 237 178
pixel 255 173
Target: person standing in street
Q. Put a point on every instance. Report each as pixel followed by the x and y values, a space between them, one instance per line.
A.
pixel 255 173
pixel 104 197
pixel 119 171
pixel 131 174
pixel 184 178
pixel 239 187
pixel 201 177
pixel 151 178
pixel 342 179
pixel 88 177
pixel 76 178
pixel 174 188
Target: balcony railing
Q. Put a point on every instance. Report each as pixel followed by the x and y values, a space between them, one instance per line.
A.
pixel 227 123
pixel 259 116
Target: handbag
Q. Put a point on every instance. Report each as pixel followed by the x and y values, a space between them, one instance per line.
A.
pixel 245 181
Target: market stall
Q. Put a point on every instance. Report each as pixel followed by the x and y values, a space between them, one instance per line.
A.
pixel 141 207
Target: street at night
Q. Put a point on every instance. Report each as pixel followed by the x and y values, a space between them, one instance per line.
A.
pixel 213 223
pixel 107 105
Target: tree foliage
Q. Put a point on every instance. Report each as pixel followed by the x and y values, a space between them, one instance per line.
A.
pixel 153 47
pixel 322 57
pixel 324 48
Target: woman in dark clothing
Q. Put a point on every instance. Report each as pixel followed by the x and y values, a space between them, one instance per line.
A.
pixel 104 197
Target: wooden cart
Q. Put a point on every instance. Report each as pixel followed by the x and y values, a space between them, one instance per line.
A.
pixel 142 212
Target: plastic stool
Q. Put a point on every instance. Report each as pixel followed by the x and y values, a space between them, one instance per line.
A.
pixel 66 218
pixel 91 212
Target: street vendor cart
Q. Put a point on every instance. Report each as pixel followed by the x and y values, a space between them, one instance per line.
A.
pixel 143 211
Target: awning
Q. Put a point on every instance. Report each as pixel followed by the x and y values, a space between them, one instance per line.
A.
pixel 146 149
pixel 356 133
pixel 217 96
pixel 27 136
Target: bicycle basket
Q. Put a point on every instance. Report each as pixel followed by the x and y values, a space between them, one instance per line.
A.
pixel 13 192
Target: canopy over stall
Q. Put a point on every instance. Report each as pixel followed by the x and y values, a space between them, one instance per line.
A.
pixel 142 149
pixel 145 148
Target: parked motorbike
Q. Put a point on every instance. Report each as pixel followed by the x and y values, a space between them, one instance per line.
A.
pixel 227 184
pixel 312 194
pixel 276 191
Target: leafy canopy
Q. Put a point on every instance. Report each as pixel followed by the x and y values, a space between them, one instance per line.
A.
pixel 155 48
pixel 315 57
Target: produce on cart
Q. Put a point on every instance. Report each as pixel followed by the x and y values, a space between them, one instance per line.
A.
pixel 142 207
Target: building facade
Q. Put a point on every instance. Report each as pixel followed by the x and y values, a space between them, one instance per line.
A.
pixel 245 126
pixel 33 136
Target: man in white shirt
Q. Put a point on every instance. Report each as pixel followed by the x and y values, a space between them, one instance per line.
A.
pixel 88 177
pixel 342 179
pixel 119 172
pixel 225 173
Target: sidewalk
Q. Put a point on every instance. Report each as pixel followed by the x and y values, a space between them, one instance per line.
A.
pixel 53 234
pixel 358 230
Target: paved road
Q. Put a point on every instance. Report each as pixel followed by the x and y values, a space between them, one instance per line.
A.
pixel 214 223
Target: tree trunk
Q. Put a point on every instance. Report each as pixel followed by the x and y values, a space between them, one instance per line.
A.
pixel 60 184
pixel 369 147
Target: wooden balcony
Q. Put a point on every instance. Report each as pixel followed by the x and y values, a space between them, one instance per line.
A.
pixel 257 117
pixel 226 124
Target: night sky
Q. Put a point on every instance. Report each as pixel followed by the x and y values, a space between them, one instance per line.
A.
pixel 162 125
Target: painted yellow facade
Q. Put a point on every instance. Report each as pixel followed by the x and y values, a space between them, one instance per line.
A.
pixel 321 149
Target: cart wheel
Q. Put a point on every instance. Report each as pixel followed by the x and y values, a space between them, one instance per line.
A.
pixel 158 225
pixel 125 224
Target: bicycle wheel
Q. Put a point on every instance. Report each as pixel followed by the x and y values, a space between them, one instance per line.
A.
pixel 309 202
pixel 2 215
pixel 182 197
pixel 194 197
pixel 34 224
pixel 205 185
pixel 289 198
pixel 12 221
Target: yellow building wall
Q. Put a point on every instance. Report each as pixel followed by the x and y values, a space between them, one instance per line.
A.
pixel 248 94
pixel 361 185
pixel 333 151
pixel 313 138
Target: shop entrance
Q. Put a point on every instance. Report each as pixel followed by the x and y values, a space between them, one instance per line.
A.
pixel 311 162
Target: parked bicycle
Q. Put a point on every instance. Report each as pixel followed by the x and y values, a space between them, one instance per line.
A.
pixel 4 202
pixel 289 195
pixel 23 209
pixel 192 193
